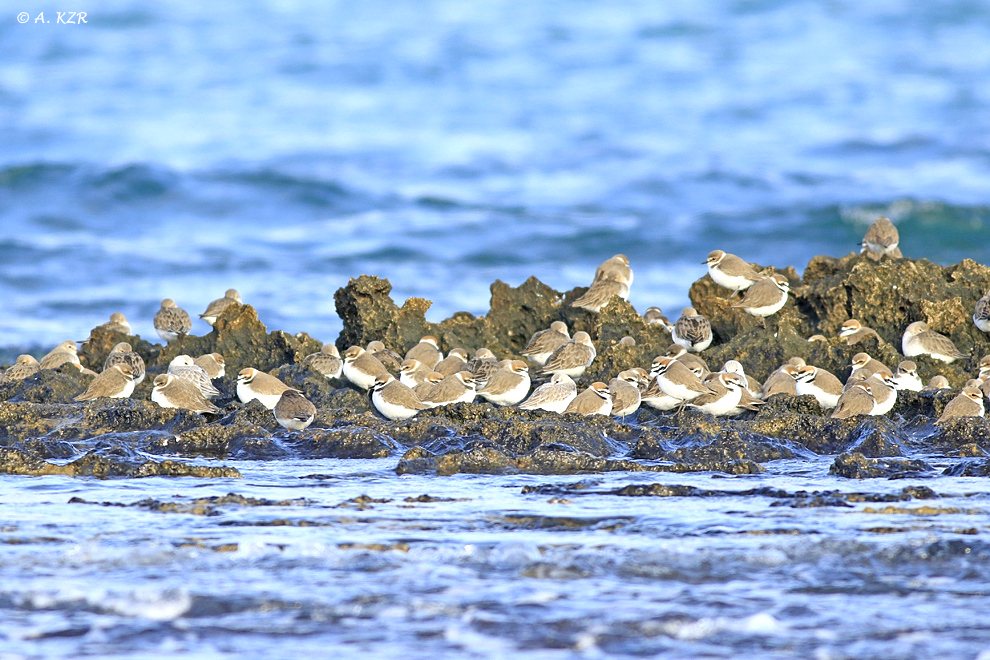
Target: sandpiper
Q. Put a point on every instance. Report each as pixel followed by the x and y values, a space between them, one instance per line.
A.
pixel 458 388
pixel 676 380
pixel 326 362
pixel 919 340
pixel 25 366
pixel 906 376
pixel 389 358
pixel 654 316
pixel 864 366
pixel 552 396
pixel 656 398
pixel 171 321
pixel 854 332
pixel 254 384
pixel 819 383
pixel 412 372
pixel 613 278
pixel 67 351
pixel 692 331
pixel 455 361
pixel 294 411
pixel 213 364
pixel 857 400
pixel 170 392
pixel 881 239
pixel 361 367
pixel 117 382
pixel 981 314
pixel 394 400
pixel 596 400
pixel 766 297
pixel 122 353
pixel 545 342
pixel 483 365
pixel 183 368
pixel 626 394
pixel 615 268
pixel 730 271
pixel 509 385
pixel 984 367
pixel 968 403
pixel 216 308
pixel 573 357
pixel 426 351
pixel 117 323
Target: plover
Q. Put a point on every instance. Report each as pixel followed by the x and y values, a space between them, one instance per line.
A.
pixel 81 369
pixel 613 278
pixel 413 372
pixel 394 400
pixel 213 364
pixel 432 379
pixel 25 366
pixel 906 376
pixel 454 362
pixel 981 314
pixel 919 340
pixel 766 297
pixel 426 351
pixel 183 368
pixel 819 383
pixel 754 386
pixel 545 342
pixel 626 394
pixel 361 367
pixel 573 357
pixel 171 321
pixel 692 331
pixel 294 411
pixel 596 400
pixel 857 400
pixel 458 388
pixel 627 342
pixel 984 367
pixel 864 366
pixel 676 380
pixel 216 308
pixel 730 271
pixel 254 384
pixel 693 362
pixel 747 402
pixel 117 382
pixel 170 392
pixel 389 358
pixel 67 351
pixel 781 381
pixel 854 332
pixel 117 323
pixel 509 385
pixel 968 403
pixel 326 362
pixel 937 383
pixel 656 398
pixel 552 396
pixel 881 239
pixel 654 316
pixel 882 386
pixel 727 392
pixel 122 353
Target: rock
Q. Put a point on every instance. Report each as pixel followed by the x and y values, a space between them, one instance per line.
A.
pixel 857 466
pixel 60 385
pixel 978 468
pixel 92 464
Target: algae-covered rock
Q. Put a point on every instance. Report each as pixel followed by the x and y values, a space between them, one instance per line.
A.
pixel 60 385
pixel 93 464
pixel 857 466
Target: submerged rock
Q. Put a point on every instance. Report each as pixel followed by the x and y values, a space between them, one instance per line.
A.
pixel 92 464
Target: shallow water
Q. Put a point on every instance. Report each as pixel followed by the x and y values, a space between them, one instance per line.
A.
pixel 490 570
pixel 282 148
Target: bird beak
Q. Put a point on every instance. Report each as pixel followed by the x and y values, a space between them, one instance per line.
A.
pixel 704 263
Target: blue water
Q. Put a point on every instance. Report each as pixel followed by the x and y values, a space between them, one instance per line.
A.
pixel 282 148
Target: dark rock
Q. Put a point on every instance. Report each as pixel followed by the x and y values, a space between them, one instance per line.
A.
pixel 857 466
pixel 347 442
pixel 94 351
pixel 241 441
pixel 60 385
pixel 93 464
pixel 977 468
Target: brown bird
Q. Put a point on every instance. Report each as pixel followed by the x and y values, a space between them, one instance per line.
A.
pixel 937 383
pixel 25 366
pixel 213 364
pixel 968 403
pixel 67 351
pixel 857 400
pixel 854 332
pixel 426 351
pixel 217 307
pixel 361 367
pixel 326 362
pixel 394 400
pixel 117 323
pixel 596 400
pixel 509 385
pixel 117 382
pixel 692 331
pixel 766 297
pixel 455 361
pixel 573 357
pixel 730 271
pixel 254 384
pixel 294 411
pixel 613 278
pixel 654 316
pixel 389 358
pixel 626 394
pixel 919 340
pixel 122 353
pixel 170 392
pixel 693 362
pixel 171 321
pixel 864 366
pixel 544 342
pixel 981 313
pixel 881 239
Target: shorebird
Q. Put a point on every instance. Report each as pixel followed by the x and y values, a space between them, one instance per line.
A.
pixel 727 392
pixel 919 340
pixel 183 368
pixel 766 297
pixel 543 343
pixel 596 400
pixel 326 362
pixel 122 353
pixel 881 239
pixel 412 372
pixel 857 400
pixel 693 362
pixel 968 403
pixel 254 384
pixel 394 400
pixel 864 366
pixel 509 385
pixel 483 365
pixel 171 321
pixel 553 396
pixel 906 376
pixel 981 313
pixel 654 316
pixel 216 308
pixel 730 271
pixel 117 382
pixel 294 411
pixel 676 380
pixel 458 388
pixel 854 332
pixel 937 383
pixel 455 361
pixel 25 366
pixel 67 351
pixel 213 364
pixel 361 367
pixel 426 351
pixel 612 278
pixel 389 358
pixel 117 323
pixel 573 357
pixel 626 393
pixel 819 383
pixel 170 392
pixel 692 331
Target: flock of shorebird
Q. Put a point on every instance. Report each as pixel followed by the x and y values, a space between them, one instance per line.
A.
pixel 424 377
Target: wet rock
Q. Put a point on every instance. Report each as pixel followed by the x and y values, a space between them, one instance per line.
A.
pixel 346 442
pixel 240 441
pixel 857 466
pixel 244 341
pixel 94 351
pixel 876 437
pixel 976 468
pixel 93 464
pixel 60 385
pixel 21 421
pixel 957 432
